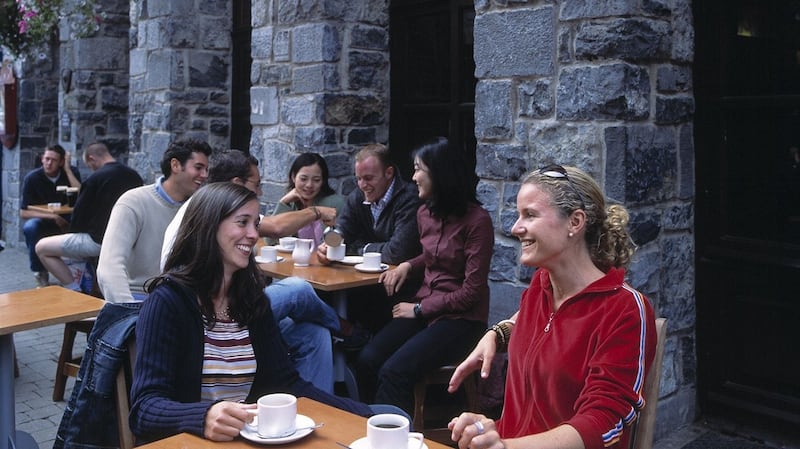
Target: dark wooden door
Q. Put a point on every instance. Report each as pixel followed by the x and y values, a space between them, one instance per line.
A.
pixel 747 131
pixel 240 89
pixel 432 76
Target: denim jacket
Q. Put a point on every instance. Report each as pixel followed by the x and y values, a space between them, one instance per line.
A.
pixel 90 419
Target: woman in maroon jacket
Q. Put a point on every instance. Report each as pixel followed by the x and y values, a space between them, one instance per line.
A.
pixel 582 341
pixel 448 314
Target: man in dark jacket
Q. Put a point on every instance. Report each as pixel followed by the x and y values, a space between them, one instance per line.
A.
pixel 380 216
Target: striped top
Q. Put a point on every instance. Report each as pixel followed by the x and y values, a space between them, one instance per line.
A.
pixel 229 363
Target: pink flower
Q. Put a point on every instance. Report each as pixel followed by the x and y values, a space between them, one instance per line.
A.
pixel 23 26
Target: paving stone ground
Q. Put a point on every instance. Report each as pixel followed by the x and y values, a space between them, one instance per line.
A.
pixel 37 354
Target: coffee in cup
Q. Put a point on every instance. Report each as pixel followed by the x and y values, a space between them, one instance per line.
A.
pixel 277 415
pixel 390 431
pixel 72 195
pixel 372 261
pixel 62 193
pixel 336 252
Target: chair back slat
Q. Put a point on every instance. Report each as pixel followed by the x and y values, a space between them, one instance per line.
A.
pixel 123 388
pixel 644 428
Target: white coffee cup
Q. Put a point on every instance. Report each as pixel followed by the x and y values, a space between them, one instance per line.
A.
pixel 372 261
pixel 277 414
pixel 389 431
pixel 269 253
pixel 287 242
pixel 336 252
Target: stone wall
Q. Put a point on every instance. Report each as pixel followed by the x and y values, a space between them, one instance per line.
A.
pixel 94 84
pixel 180 77
pixel 320 83
pixel 605 86
pixel 37 95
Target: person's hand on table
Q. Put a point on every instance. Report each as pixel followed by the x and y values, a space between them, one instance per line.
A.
pixel 322 254
pixel 474 431
pixel 393 279
pixel 225 419
pixel 480 357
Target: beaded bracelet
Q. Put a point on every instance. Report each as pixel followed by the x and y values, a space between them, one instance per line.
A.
pixel 502 332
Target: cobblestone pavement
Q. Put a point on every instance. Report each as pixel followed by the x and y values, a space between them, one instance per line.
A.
pixel 37 354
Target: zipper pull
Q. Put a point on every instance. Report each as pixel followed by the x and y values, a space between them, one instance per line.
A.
pixel 547 328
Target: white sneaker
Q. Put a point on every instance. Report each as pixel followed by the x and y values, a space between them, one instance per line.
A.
pixel 42 278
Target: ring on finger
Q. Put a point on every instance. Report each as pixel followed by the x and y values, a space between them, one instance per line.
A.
pixel 479 426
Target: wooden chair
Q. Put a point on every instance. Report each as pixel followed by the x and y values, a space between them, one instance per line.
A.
pixel 645 426
pixel 441 376
pixel 68 364
pixel 122 393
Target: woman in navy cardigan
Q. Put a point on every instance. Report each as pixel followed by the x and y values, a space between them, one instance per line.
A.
pixel 207 342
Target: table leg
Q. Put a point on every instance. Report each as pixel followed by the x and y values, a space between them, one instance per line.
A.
pixel 341 373
pixel 10 438
pixel 7 423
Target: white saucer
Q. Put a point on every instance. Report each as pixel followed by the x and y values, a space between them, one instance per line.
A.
pixel 281 249
pixel 250 431
pixel 362 268
pixel 260 260
pixel 351 260
pixel 362 443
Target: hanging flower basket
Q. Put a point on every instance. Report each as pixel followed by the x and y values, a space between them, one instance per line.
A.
pixel 27 25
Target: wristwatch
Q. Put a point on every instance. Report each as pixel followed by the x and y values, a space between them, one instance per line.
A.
pixel 418 310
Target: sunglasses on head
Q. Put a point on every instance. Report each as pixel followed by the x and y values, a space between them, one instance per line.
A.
pixel 558 172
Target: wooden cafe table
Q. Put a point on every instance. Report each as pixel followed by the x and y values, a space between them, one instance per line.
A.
pixel 335 278
pixel 340 426
pixel 63 210
pixel 25 310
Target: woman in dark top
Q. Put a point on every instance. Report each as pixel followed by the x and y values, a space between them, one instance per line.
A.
pixel 207 343
pixel 448 313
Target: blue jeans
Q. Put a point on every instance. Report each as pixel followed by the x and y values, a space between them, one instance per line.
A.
pixel 36 229
pixel 405 350
pixel 306 323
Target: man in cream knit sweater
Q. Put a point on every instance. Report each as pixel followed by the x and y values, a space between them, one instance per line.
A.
pixel 131 249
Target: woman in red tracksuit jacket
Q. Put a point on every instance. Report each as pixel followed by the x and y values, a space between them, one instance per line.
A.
pixel 582 341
